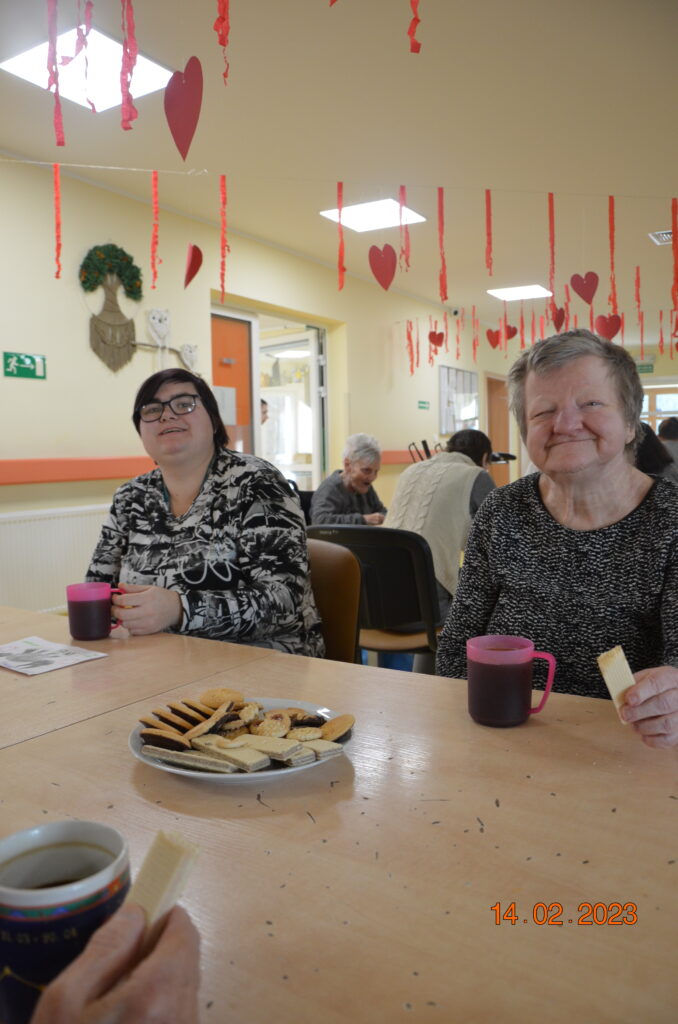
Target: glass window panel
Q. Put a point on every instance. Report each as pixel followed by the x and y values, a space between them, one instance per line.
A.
pixel 667 403
pixel 645 405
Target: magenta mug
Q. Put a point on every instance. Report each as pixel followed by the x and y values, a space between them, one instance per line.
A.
pixel 500 679
pixel 89 610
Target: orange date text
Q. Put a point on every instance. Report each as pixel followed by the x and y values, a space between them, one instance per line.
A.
pixel 553 914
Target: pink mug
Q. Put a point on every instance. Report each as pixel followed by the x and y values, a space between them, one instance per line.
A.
pixel 500 679
pixel 89 610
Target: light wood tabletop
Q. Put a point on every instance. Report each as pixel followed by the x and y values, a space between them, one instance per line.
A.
pixel 135 667
pixel 361 889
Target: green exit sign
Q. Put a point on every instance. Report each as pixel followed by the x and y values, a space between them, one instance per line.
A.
pixel 423 405
pixel 645 367
pixel 20 364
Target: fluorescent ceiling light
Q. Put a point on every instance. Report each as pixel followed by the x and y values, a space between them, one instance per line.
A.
pixel 527 291
pixel 382 213
pixel 101 85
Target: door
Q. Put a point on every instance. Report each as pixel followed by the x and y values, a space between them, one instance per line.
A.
pixel 498 426
pixel 232 378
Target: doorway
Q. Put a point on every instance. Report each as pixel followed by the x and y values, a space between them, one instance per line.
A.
pixel 498 426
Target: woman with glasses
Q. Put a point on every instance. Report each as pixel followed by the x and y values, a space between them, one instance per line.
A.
pixel 212 542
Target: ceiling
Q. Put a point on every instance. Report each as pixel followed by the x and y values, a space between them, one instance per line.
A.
pixel 527 97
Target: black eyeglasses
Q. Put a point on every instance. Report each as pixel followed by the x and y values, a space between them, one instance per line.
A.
pixel 180 405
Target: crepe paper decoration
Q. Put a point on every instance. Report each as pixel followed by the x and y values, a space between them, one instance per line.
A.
pixel 488 230
pixel 510 332
pixel 475 331
pixel 415 45
pixel 494 337
pixel 608 326
pixel 341 269
pixel 53 71
pixel 447 329
pixel 404 257
pixel 183 99
pixel 575 322
pixel 224 247
pixel 436 337
pixel 383 263
pixel 222 27
pixel 56 171
pixel 81 42
pixel 442 276
pixel 462 317
pixel 585 287
pixel 457 340
pixel 552 252
pixel 332 3
pixel 193 263
pixel 612 298
pixel 410 345
pixel 417 342
pixel 154 230
pixel 542 327
pixel 641 323
pixel 566 305
pixel 674 247
pixel 130 52
pixel 660 346
pixel 522 325
pixel 558 318
pixel 533 332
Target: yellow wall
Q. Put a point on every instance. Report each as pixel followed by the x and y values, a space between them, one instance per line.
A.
pixel 83 409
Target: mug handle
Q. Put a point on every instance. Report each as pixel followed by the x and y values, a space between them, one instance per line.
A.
pixel 549 680
pixel 116 590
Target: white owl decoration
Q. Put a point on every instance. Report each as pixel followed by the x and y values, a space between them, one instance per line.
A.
pixel 159 329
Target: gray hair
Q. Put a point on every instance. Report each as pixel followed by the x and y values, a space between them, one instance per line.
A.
pixel 558 350
pixel 362 448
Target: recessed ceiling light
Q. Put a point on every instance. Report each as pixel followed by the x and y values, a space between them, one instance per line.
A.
pixel 661 237
pixel 101 84
pixel 382 213
pixel 527 291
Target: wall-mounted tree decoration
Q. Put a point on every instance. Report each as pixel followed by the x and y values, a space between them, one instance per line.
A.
pixel 111 333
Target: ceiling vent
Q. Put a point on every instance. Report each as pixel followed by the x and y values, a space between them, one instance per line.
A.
pixel 661 237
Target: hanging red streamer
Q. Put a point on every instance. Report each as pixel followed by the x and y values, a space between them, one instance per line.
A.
pixel 488 230
pixel 415 45
pixel 566 304
pixel 475 331
pixel 674 246
pixel 341 269
pixel 57 218
pixel 417 342
pixel 542 328
pixel 223 241
pixel 130 52
pixel 661 332
pixel 623 326
pixel 442 276
pixel 53 70
pixel 431 347
pixel 533 332
pixel 552 254
pixel 154 231
pixel 457 353
pixel 613 279
pixel 81 35
pixel 522 326
pixel 640 314
pixel 410 345
pixel 447 329
pixel 222 27
pixel 404 230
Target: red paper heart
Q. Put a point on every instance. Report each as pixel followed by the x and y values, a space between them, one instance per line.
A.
pixel 608 326
pixel 436 338
pixel 183 99
pixel 586 286
pixel 383 264
pixel 511 331
pixel 193 263
pixel 494 337
pixel 558 318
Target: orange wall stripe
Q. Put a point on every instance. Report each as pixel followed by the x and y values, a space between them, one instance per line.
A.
pixel 394 458
pixel 51 471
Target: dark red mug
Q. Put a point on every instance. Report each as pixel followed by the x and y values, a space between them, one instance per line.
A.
pixel 500 679
pixel 89 610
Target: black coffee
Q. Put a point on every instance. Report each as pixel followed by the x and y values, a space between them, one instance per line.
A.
pixel 499 695
pixel 90 620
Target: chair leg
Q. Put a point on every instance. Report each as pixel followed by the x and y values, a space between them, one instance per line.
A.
pixel 425 663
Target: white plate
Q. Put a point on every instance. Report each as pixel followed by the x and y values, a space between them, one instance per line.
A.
pixel 270 704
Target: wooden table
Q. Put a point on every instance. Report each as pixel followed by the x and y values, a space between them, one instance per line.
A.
pixel 361 889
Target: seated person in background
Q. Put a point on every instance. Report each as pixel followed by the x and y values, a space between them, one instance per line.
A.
pixel 347 496
pixel 652 456
pixel 109 982
pixel 212 543
pixel 437 498
pixel 668 435
pixel 583 555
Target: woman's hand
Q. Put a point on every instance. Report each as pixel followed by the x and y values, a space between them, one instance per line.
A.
pixel 144 609
pixel 651 706
pixel 107 985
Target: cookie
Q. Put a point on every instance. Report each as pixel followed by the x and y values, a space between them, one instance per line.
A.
pixel 275 723
pixel 190 716
pixel 304 734
pixel 249 713
pixel 337 727
pixel 211 724
pixel 220 695
pixel 169 718
pixel 305 720
pixel 164 738
pixel 196 705
pixel 154 723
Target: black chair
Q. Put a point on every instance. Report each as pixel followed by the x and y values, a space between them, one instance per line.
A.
pixel 306 497
pixel 399 605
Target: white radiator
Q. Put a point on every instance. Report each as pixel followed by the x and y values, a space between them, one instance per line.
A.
pixel 42 551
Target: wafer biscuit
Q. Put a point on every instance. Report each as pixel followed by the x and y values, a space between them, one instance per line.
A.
pixel 190 759
pixel 247 758
pixel 324 748
pixel 617 675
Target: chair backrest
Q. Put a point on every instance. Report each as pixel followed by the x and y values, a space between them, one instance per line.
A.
pixel 335 579
pixel 398 581
pixel 306 497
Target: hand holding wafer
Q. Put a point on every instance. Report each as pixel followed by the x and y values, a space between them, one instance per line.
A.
pixel 647 700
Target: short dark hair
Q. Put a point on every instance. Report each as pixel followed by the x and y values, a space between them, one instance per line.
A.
pixel 473 443
pixel 668 429
pixel 651 455
pixel 150 387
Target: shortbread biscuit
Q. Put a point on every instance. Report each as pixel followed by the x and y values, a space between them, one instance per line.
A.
pixel 275 723
pixel 304 734
pixel 192 717
pixel 249 713
pixel 151 722
pixel 169 718
pixel 305 720
pixel 164 738
pixel 212 723
pixel 337 727
pixel 190 759
pixel 196 705
pixel 217 696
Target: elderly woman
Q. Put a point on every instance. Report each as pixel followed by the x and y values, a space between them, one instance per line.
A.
pixel 212 543
pixel 582 555
pixel 347 496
